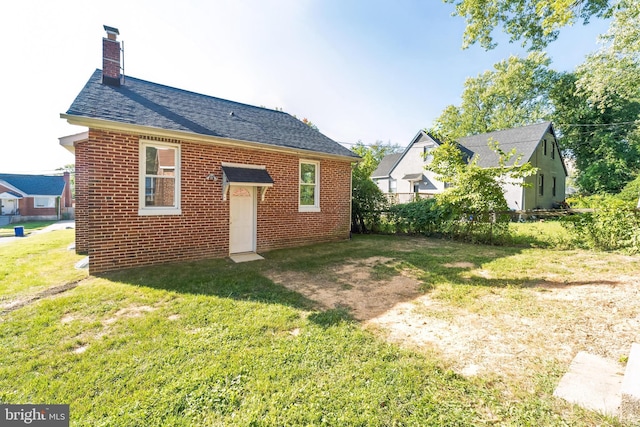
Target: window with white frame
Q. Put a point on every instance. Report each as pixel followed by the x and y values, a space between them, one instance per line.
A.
pixel 309 200
pixel 541 185
pixel 159 178
pixel 393 185
pixel 44 202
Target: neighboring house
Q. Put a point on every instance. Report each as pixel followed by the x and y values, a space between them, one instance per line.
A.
pixel 406 178
pixel 166 175
pixel 402 175
pixel 33 197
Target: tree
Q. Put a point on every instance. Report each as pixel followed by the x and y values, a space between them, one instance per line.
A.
pixel 514 94
pixel 473 189
pixel 475 197
pixel 613 72
pixel 535 22
pixel 367 199
pixel 604 142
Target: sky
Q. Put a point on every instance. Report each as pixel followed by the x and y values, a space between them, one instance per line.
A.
pixel 360 70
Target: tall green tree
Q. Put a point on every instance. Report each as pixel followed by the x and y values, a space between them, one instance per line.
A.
pixel 603 141
pixel 514 93
pixel 535 23
pixel 613 72
pixel 367 199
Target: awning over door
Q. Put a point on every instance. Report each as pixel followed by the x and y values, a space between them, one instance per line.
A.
pixel 413 177
pixel 254 176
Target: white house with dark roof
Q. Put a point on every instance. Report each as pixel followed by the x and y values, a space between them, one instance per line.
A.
pixel 404 177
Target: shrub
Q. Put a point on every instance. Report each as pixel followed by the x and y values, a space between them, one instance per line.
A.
pixel 612 225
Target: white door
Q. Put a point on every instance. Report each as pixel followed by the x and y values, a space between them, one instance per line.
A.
pixel 8 206
pixel 242 219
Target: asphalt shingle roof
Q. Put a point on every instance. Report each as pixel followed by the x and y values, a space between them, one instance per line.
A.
pixel 150 104
pixel 245 175
pixel 386 164
pixel 36 185
pixel 524 139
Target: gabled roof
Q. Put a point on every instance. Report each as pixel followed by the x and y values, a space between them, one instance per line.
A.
pixel 386 165
pixel 143 103
pixel 524 139
pixel 35 185
pixel 390 161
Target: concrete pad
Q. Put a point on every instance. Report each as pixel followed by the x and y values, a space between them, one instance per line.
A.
pixel 83 263
pixel 593 383
pixel 630 405
pixel 245 257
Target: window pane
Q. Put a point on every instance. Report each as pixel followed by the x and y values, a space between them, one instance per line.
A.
pixel 308 173
pixel 160 161
pixel 307 195
pixel 151 156
pixel 159 192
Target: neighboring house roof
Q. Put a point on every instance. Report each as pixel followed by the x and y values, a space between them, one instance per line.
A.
pixel 139 102
pixel 524 139
pixel 386 165
pixel 34 185
pixel 10 195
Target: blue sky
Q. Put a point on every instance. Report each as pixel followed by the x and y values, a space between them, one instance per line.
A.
pixel 360 70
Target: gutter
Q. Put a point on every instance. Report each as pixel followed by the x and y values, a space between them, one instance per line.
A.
pixel 102 124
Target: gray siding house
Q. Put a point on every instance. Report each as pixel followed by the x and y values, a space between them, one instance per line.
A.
pixel 403 176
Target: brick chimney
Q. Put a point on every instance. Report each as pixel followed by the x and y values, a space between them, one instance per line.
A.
pixel 111 57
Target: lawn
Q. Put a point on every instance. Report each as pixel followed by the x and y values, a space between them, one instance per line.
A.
pixel 29 227
pixel 216 343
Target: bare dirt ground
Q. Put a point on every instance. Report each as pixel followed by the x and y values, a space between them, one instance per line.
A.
pixel 508 332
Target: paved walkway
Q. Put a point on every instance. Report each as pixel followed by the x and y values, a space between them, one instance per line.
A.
pixel 60 225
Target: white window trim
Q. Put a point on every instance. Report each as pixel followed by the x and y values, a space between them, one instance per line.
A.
pixel 157 210
pixel 49 199
pixel 316 206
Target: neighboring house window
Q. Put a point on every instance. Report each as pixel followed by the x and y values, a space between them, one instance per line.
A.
pixel 553 188
pixel 393 186
pixel 159 178
pixel 544 146
pixel 44 202
pixel 541 185
pixel 553 150
pixel 309 186
pixel 416 187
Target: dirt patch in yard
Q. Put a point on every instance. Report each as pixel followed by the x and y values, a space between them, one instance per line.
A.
pixel 505 331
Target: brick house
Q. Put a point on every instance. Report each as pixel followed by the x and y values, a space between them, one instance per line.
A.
pixel 33 197
pixel 167 175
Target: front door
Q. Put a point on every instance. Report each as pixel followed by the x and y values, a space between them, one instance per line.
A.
pixel 8 207
pixel 242 219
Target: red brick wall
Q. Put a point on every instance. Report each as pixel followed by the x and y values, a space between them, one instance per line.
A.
pixel 109 228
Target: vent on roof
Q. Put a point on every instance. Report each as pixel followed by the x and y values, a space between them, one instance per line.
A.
pixel 111 66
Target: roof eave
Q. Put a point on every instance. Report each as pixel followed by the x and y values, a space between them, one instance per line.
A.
pixel 102 124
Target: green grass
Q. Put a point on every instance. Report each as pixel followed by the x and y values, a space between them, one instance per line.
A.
pixel 29 227
pixel 215 343
pixel 542 234
pixel 37 262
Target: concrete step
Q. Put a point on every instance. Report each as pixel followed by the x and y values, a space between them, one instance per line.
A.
pixel 604 386
pixel 630 404
pixel 593 383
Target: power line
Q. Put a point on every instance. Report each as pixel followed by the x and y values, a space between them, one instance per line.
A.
pixel 634 122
